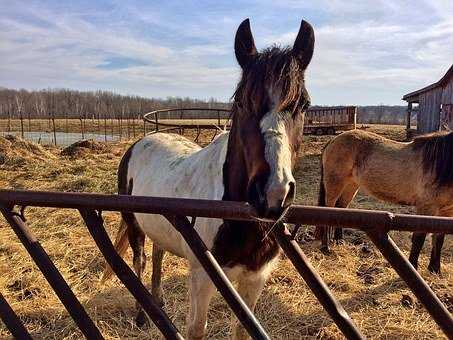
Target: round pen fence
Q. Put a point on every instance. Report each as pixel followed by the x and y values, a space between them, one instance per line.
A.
pixel 376 224
pixel 318 120
pixel 64 130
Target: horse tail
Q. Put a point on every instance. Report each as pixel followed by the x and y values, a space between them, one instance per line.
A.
pixel 121 244
pixel 124 188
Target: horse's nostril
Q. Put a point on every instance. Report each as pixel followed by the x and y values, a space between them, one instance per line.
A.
pixel 280 196
pixel 274 211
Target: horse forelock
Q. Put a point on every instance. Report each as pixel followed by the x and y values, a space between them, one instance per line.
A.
pixel 437 156
pixel 276 67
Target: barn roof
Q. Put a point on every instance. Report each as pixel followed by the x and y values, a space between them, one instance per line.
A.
pixel 414 95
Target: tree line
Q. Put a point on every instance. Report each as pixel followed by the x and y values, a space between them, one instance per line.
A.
pixel 67 103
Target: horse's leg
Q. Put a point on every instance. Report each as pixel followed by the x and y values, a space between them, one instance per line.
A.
pixel 201 290
pixel 417 244
pixel 434 262
pixel 334 187
pixel 250 287
pixel 137 242
pixel 156 288
pixel 345 199
pixel 418 239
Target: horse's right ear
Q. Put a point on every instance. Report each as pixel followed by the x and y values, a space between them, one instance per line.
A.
pixel 244 45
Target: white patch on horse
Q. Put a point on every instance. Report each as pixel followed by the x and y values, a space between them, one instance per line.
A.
pixel 278 155
pixel 168 165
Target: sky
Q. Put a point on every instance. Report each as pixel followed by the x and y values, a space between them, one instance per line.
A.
pixel 366 52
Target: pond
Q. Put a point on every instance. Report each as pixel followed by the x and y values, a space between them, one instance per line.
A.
pixel 63 138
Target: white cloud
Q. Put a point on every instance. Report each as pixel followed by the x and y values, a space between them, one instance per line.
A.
pixel 69 50
pixel 377 55
pixel 366 51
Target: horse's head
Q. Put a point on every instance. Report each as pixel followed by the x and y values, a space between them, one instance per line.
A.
pixel 268 115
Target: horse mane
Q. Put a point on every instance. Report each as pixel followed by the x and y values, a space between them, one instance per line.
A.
pixel 273 65
pixel 437 155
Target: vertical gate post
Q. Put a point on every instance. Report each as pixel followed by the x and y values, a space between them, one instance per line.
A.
pixel 419 287
pixel 218 277
pixel 12 321
pixel 95 225
pixel 52 275
pixel 315 282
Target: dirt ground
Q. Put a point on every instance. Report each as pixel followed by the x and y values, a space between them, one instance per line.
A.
pixel 378 301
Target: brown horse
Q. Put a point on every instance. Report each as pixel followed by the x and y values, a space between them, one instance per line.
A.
pixel 253 162
pixel 418 173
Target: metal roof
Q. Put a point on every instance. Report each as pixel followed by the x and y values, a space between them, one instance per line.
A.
pixel 441 82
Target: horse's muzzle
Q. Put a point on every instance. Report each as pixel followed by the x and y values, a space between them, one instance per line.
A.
pixel 278 199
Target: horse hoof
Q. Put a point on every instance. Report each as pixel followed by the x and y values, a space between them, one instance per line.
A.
pixel 141 319
pixel 325 250
pixel 434 269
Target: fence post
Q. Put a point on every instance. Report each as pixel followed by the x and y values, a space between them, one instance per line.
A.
pixel 21 125
pixel 54 130
pixel 156 116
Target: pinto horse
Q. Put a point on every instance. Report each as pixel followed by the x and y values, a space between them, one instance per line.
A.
pixel 418 173
pixel 252 162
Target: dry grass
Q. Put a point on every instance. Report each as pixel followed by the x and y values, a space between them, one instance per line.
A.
pixel 368 288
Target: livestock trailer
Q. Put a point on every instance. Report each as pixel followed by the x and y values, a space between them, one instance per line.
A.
pixel 329 120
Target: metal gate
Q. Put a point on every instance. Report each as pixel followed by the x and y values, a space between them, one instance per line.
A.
pixel 376 224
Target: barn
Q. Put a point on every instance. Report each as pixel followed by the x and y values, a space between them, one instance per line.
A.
pixel 433 105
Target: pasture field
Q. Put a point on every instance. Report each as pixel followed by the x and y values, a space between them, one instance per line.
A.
pixel 378 301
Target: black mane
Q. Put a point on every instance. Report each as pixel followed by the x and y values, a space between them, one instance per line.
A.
pixel 437 155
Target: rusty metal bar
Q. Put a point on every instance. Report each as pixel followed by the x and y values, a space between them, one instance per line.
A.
pixel 12 321
pixel 218 277
pixel 351 218
pixel 95 225
pixel 419 287
pixel 315 282
pixel 52 275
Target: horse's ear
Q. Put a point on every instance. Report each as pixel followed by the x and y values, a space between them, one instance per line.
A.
pixel 304 44
pixel 244 45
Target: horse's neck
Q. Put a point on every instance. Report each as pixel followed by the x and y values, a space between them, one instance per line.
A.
pixel 234 175
pixel 205 168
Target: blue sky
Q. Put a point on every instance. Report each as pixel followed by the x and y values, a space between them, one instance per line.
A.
pixel 366 52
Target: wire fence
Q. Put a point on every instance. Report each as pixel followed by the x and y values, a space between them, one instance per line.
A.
pixel 65 131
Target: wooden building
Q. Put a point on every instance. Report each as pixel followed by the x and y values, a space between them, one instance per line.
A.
pixel 435 105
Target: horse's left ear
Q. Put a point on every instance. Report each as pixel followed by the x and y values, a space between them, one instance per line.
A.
pixel 304 44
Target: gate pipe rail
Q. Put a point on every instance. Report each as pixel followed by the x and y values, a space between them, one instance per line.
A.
pixel 12 321
pixel 315 282
pixel 365 220
pixel 218 277
pixel 52 275
pixel 95 224
pixel 375 223
pixel 413 279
